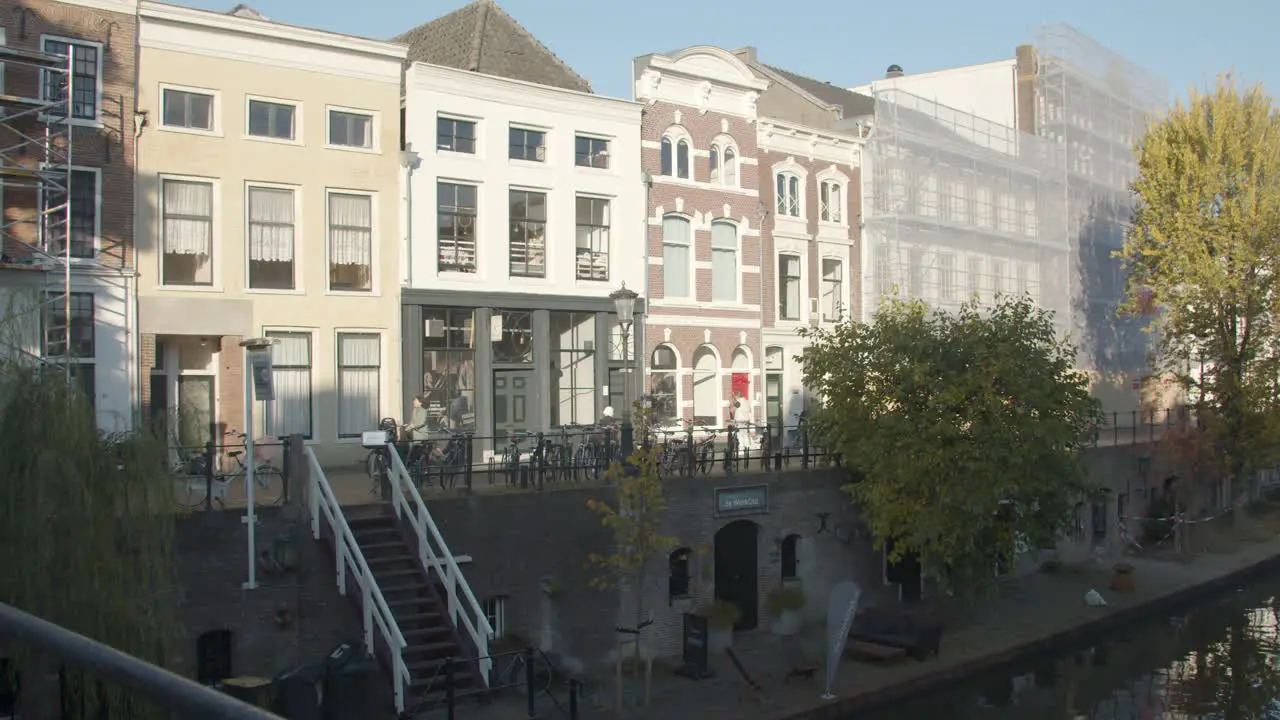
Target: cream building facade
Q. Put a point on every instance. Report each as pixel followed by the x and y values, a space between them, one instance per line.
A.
pixel 268 205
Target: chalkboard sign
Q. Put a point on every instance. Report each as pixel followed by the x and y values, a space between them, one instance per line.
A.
pixel 695 648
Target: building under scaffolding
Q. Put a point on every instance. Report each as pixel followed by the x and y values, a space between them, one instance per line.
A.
pixel 1027 195
pixel 36 238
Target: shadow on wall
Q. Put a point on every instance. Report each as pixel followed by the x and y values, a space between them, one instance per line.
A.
pixel 1111 345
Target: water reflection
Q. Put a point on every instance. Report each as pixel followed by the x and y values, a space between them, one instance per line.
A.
pixel 1219 662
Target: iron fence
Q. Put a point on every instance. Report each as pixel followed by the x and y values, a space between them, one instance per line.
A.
pixel 144 682
pixel 1140 426
pixel 534 681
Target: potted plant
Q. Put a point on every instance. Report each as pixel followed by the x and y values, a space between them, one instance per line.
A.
pixel 785 603
pixel 721 616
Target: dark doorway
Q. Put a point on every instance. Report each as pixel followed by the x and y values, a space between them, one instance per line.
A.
pixel 737 562
pixel 512 402
pixel 213 657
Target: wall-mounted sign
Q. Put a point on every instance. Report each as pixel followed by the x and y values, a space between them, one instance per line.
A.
pixel 264 387
pixel 749 500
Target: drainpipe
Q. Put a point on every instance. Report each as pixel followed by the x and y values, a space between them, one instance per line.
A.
pixel 762 212
pixel 647 178
pixel 408 161
pixel 134 344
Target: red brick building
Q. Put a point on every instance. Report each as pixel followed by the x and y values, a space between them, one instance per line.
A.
pixel 68 209
pixel 702 333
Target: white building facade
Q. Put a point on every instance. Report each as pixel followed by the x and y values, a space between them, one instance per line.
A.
pixel 524 206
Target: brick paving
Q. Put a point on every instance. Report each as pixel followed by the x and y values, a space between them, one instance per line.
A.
pixel 1027 610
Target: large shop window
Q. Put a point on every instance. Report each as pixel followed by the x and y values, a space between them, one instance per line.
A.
pixel 290 414
pixel 514 329
pixel 573 339
pixel 359 372
pixel 271 238
pixel 706 387
pixel 449 367
pixel 186 210
pixel 622 388
pixel 663 375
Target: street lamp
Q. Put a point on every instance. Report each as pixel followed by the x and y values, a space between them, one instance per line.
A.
pixel 258 383
pixel 624 304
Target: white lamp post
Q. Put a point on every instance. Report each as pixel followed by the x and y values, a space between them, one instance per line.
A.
pixel 258 383
pixel 624 304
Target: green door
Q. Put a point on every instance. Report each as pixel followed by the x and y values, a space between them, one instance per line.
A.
pixel 513 398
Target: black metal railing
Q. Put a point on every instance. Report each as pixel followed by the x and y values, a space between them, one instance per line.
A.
pixel 213 476
pixel 1135 427
pixel 535 681
pixel 146 682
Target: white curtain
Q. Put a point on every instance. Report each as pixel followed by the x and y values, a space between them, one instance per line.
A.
pixel 706 387
pixel 290 413
pixel 790 286
pixel 188 217
pixel 724 262
pixel 675 257
pixel 351 230
pixel 270 225
pixel 359 367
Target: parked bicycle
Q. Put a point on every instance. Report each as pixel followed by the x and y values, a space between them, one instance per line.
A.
pixel 201 480
pixel 512 456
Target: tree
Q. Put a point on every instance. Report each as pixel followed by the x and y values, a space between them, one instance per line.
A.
pixel 1203 248
pixel 635 520
pixel 86 527
pixel 963 429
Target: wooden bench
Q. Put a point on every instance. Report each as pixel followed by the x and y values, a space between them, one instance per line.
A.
pixel 862 650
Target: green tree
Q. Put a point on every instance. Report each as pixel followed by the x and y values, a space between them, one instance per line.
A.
pixel 86 527
pixel 1203 249
pixel 635 520
pixel 962 429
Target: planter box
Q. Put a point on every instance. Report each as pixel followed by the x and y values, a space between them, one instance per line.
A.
pixel 788 623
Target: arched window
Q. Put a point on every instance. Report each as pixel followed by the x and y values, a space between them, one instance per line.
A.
pixel 790 562
pixel 715 163
pixel 706 387
pixel 730 172
pixel 678 575
pixel 788 194
pixel 664 370
pixel 677 243
pixel 666 156
pixel 682 159
pixel 831 204
pixel 724 163
pixel 740 386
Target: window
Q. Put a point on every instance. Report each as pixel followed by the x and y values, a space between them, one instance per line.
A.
pixel 975 277
pixel 456 227
pixel 528 247
pixel 915 274
pixel 186 109
pixel 84 216
pixel 947 277
pixel 350 129
pixel 788 193
pixel 706 387
pixel 724 164
pixel 274 120
pixel 997 277
pixel 85 77
pixel 591 152
pixel 350 242
pixel 664 371
pixel 528 145
pixel 790 561
pixel 676 241
pixel 832 290
pixel 271 238
pixel 714 163
pixel 359 379
pixel 592 261
pixel 449 367
pixel 679 164
pixel 574 373
pixel 61 328
pixel 724 262
pixel 679 579
pixel 186 211
pixel 290 413
pixel 495 611
pixel 456 135
pixel 789 287
pixel 831 205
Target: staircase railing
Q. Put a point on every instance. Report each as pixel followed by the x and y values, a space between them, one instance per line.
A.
pixel 351 563
pixel 465 611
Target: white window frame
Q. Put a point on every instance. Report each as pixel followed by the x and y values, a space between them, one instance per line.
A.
pixel 384 386
pixel 610 144
pixel 498 617
pixel 676 134
pixel 215 284
pixel 547 144
pixel 215 111
pixel 788 202
pixel 96 121
pixel 435 232
pixel 678 372
pixel 97 213
pixel 737 261
pixel 299 277
pixel 831 176
pixel 375 129
pixel 717 383
pixel 720 145
pixel 691 270
pixel 263 408
pixel 298 137
pixel 375 277
pixel 611 204
pixel 457 117
pixel 842 300
pixel 802 311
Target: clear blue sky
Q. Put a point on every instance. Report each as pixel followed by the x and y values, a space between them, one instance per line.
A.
pixel 846 43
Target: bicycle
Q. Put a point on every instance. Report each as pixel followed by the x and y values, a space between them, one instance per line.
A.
pixel 511 456
pixel 730 460
pixel 204 483
pixel 376 462
pixel 444 464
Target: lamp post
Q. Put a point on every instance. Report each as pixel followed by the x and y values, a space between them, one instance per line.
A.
pixel 259 384
pixel 624 304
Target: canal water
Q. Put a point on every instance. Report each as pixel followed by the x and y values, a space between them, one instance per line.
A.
pixel 1218 661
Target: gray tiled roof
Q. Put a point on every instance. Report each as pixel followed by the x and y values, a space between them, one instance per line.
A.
pixel 482 37
pixel 851 104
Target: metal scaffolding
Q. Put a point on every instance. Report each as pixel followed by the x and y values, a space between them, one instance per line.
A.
pixel 36 234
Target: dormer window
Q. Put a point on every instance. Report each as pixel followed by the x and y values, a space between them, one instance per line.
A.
pixel 788 195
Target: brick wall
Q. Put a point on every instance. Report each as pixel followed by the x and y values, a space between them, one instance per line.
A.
pixel 230 384
pixel 107 146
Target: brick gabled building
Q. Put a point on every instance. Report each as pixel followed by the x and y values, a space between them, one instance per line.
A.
pixel 702 333
pixel 67 255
